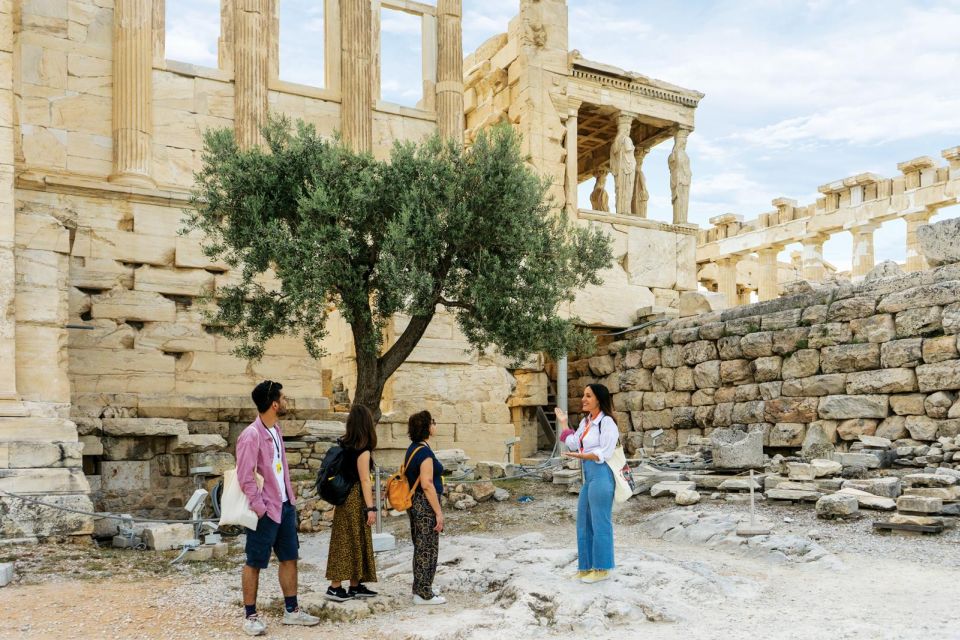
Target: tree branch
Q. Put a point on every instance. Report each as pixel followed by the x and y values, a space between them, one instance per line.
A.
pixel 455 304
pixel 397 354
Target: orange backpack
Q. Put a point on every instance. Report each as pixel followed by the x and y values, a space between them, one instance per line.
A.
pixel 399 491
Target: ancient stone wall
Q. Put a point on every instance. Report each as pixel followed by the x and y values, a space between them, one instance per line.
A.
pixel 813 370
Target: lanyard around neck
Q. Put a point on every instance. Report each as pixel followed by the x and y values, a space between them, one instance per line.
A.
pixel 583 437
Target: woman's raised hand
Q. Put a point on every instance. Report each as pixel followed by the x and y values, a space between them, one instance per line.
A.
pixel 561 416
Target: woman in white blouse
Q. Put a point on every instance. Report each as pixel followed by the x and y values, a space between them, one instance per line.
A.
pixel 593 443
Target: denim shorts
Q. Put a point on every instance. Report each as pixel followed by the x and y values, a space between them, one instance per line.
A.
pixel 281 538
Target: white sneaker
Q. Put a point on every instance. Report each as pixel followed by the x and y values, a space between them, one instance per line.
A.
pixel 300 617
pixel 254 626
pixel 434 600
pixel 436 590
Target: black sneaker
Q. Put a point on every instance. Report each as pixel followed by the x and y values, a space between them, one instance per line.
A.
pixel 361 591
pixel 337 595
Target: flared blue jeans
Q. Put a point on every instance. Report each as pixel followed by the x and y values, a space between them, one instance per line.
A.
pixel 595 517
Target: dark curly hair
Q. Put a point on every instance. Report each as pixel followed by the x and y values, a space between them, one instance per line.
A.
pixel 418 426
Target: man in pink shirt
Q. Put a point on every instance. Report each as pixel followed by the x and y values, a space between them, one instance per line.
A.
pixel 260 452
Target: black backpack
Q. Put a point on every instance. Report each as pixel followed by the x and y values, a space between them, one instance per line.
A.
pixel 331 485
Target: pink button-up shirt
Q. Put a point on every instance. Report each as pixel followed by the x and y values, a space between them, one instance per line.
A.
pixel 255 450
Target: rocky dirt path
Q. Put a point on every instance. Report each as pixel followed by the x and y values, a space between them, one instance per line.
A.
pixel 505 571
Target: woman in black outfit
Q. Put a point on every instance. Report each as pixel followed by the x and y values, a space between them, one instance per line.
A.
pixel 350 556
pixel 423 471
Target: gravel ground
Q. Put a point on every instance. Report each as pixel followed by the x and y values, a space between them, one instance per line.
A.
pixel 82 591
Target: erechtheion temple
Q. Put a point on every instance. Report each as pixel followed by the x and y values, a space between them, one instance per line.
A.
pixel 111 385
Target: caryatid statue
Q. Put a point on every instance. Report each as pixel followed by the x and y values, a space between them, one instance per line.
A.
pixel 599 200
pixel 680 176
pixel 640 194
pixel 623 164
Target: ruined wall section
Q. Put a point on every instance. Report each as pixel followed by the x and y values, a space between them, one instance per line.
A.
pixel 877 358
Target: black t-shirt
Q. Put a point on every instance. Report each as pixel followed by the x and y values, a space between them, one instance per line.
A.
pixel 348 469
pixel 413 468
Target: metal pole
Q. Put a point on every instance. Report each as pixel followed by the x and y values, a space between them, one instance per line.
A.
pixel 376 471
pixel 561 389
pixel 752 520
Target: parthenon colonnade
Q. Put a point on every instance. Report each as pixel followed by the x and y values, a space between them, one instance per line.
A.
pixel 858 205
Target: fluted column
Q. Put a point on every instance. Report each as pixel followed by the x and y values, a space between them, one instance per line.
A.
pixel 356 104
pixel 10 404
pixel 862 254
pixel 915 259
pixel 812 258
pixel 727 279
pixel 767 288
pixel 572 151
pixel 132 92
pixel 251 65
pixel 450 69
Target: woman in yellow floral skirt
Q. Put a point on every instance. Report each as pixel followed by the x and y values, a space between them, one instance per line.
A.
pixel 350 556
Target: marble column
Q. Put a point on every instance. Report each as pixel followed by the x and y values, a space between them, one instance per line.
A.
pixel 768 286
pixel 251 66
pixel 450 69
pixel 812 258
pixel 572 158
pixel 727 279
pixel 744 296
pixel 638 206
pixel 356 106
pixel 132 92
pixel 915 259
pixel 680 176
pixel 862 253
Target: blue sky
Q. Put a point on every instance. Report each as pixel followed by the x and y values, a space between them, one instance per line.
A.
pixel 798 93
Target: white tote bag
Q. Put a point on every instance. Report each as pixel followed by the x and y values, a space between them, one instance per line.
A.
pixel 622 476
pixel 234 506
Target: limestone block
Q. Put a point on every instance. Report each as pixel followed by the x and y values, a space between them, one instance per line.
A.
pixel 910 404
pixel 650 358
pixel 728 348
pixel 819 439
pixel 922 428
pixel 940 242
pixel 25 455
pixel 919 322
pixel 636 380
pixel 892 428
pixel 757 345
pixel 802 364
pixel 949 428
pixel 178 337
pixel 736 372
pixel 601 365
pixel 663 379
pixel 889 487
pixel 766 369
pixel 878 329
pixel 91 446
pixel 929 480
pixel 125 475
pixel 800 471
pixel 189 254
pixel 124 304
pixel 822 385
pixel 829 334
pixel 842 407
pixel 939 293
pixel 687 497
pixel 867 460
pixel 791 410
pixel 770 390
pixel 173 281
pixel 837 506
pixel 144 427
pixel 706 375
pixel 787 434
pixel 671 488
pixel 937 405
pixel 938 376
pixel 851 309
pixel 823 468
pixel 853 428
pixel 902 353
pixel 134 448
pixel 882 381
pixel 850 357
pixel 196 443
pixel 699 352
pixel 683 379
pixel 672 355
pixel 734 449
pixel 220 461
pixel 919 504
pixel 163 537
pixel 939 349
pixel 137 248
pixel 42 364
pixel 779 320
pixel 36 429
pixel 98 273
pixel 789 340
pixel 693 303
